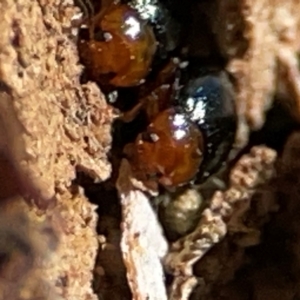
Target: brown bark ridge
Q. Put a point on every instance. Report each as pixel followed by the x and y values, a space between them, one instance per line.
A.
pixel 261 41
pixel 50 127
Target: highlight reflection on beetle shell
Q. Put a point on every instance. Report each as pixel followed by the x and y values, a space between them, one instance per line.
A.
pixel 171 149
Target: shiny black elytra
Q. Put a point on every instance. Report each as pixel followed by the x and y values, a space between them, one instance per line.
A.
pixel 208 101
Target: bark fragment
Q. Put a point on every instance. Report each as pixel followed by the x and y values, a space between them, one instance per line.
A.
pixel 143 245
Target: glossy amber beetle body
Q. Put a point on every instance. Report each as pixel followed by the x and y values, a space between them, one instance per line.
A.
pixel 121 49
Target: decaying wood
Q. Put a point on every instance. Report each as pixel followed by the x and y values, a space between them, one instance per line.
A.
pixel 51 127
pixel 251 171
pixel 261 41
pixel 143 244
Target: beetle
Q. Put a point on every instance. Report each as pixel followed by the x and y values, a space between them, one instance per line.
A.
pixel 192 137
pixel 125 41
pixel 120 48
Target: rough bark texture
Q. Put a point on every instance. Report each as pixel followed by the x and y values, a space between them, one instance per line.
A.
pixel 261 40
pixel 50 127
